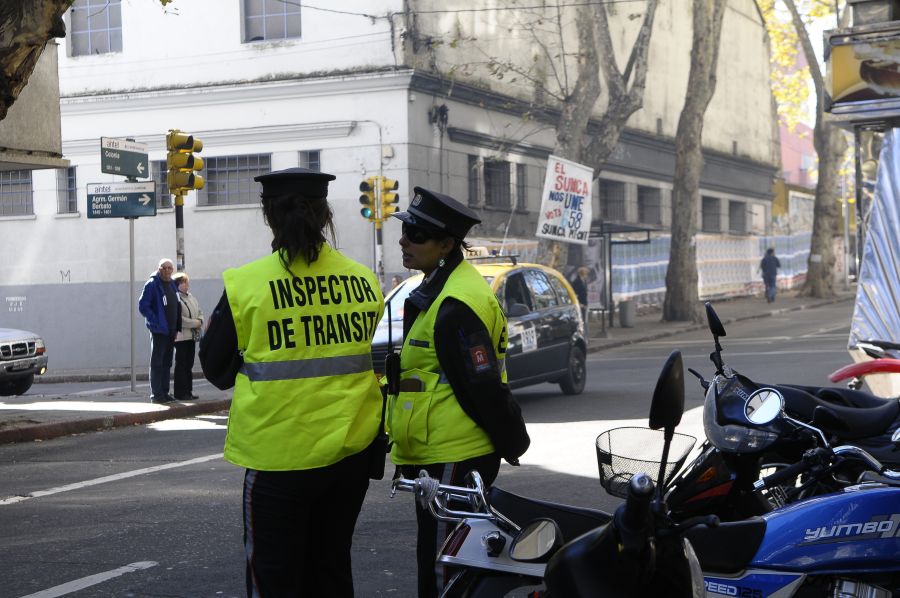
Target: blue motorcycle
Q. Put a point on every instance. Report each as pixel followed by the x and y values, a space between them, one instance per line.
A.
pixel 845 544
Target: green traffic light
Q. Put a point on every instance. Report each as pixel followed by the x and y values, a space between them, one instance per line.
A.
pixel 366 212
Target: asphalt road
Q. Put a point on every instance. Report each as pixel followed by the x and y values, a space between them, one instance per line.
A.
pixel 155 511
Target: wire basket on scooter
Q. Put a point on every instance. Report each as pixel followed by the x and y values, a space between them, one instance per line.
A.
pixel 637 450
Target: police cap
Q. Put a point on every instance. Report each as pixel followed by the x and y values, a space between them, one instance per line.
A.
pixel 302 181
pixel 437 211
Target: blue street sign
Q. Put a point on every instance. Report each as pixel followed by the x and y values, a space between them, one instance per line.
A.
pixel 124 158
pixel 121 200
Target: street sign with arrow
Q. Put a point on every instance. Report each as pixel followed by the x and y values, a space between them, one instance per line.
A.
pixel 124 158
pixel 121 200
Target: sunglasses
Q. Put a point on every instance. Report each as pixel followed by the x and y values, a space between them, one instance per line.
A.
pixel 417 234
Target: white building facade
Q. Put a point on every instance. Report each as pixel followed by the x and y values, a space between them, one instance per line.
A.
pixel 351 90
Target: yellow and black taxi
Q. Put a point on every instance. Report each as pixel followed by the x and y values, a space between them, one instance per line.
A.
pixel 546 333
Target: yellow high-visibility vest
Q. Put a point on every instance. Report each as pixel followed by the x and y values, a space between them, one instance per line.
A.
pixel 428 425
pixel 306 396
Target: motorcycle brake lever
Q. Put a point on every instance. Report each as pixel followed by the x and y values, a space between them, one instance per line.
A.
pixel 707 520
pixel 703 382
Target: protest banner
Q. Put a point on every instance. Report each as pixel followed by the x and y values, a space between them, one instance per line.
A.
pixel 566 202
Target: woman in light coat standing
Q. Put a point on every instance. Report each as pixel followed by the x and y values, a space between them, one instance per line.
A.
pixel 186 340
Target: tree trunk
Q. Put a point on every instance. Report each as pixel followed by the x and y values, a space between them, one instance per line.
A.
pixel 830 145
pixel 682 296
pixel 579 105
pixel 25 28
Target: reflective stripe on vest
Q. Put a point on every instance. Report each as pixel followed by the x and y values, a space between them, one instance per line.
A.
pixel 307 368
pixel 429 426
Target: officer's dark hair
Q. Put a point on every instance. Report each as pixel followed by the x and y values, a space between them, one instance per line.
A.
pixel 299 224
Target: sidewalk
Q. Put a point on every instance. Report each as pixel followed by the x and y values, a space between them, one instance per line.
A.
pixel 44 413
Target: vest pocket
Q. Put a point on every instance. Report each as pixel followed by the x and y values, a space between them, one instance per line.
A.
pixel 409 413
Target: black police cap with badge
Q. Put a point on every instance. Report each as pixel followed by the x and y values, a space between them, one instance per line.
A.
pixel 438 212
pixel 302 181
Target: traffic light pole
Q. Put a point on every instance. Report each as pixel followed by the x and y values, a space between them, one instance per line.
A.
pixel 179 233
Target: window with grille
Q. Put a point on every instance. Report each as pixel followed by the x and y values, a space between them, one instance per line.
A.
pixel 710 215
pixel 163 198
pixel 95 27
pixel 496 184
pixel 737 216
pixel 270 19
pixel 612 200
pixel 310 159
pixel 66 191
pixel 229 179
pixel 649 205
pixel 521 186
pixel 15 193
pixel 473 180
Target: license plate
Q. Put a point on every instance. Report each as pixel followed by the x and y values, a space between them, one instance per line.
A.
pixel 16 367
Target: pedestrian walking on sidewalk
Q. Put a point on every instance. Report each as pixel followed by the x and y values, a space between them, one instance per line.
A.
pixel 769 267
pixel 580 286
pixel 293 334
pixel 162 315
pixel 186 339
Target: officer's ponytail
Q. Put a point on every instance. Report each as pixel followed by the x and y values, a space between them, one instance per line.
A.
pixel 299 225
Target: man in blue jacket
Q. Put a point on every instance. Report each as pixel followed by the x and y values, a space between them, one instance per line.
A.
pixel 160 308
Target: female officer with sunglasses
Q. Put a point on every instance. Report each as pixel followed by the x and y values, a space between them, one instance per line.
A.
pixel 454 412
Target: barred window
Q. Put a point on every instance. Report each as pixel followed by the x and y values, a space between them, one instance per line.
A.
pixel 270 19
pixel 474 181
pixel 612 200
pixel 15 193
pixel 737 216
pixel 649 205
pixel 711 221
pixel 229 179
pixel 310 159
pixel 158 172
pixel 95 27
pixel 521 186
pixel 66 191
pixel 496 183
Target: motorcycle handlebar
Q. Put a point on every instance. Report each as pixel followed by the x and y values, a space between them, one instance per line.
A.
pixel 782 475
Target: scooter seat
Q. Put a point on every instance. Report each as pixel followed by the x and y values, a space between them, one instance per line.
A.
pixel 848 423
pixel 572 521
pixel 845 396
pixel 728 548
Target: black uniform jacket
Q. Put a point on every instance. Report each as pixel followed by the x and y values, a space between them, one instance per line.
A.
pixel 479 390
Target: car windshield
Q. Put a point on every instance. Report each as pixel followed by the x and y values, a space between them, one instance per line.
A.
pixel 399 295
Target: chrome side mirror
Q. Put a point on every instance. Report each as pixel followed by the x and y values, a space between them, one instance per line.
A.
pixel 537 541
pixel 763 406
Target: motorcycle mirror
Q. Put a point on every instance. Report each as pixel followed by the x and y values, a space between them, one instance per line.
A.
pixel 763 406
pixel 713 321
pixel 536 541
pixel 667 404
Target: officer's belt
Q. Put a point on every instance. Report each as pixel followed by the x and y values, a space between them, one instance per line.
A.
pixel 269 371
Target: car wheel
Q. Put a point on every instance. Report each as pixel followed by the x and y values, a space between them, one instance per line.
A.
pixel 16 386
pixel 573 382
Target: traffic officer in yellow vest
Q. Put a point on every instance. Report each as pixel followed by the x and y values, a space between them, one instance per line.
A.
pixel 292 333
pixel 454 411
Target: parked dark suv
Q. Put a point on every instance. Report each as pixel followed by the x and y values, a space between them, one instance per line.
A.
pixel 546 334
pixel 22 355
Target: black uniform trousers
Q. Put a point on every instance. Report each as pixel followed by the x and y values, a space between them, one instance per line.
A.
pixel 184 369
pixel 433 578
pixel 298 529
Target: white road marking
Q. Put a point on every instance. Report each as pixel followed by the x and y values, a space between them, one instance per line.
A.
pixel 110 478
pixel 91 580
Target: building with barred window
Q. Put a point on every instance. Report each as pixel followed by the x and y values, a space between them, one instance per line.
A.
pixel 365 88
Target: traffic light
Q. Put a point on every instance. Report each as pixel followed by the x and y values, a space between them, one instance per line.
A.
pixel 181 162
pixel 389 199
pixel 367 199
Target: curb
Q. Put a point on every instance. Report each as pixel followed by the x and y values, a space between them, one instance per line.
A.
pixel 693 327
pixel 64 428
